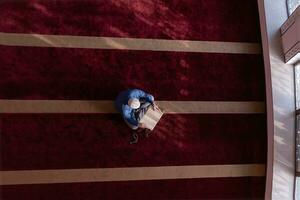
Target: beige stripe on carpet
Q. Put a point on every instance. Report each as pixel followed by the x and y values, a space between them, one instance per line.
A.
pixel 129 174
pixel 169 107
pixel 68 41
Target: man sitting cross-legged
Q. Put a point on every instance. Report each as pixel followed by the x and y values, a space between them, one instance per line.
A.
pixel 133 104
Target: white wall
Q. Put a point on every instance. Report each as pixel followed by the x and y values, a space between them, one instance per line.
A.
pixel 284 105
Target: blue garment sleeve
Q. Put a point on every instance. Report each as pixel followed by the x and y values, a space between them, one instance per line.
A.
pixel 141 94
pixel 149 98
pixel 129 116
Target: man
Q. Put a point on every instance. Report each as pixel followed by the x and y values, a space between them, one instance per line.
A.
pixel 133 104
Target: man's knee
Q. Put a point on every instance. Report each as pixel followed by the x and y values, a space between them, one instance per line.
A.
pixel 132 126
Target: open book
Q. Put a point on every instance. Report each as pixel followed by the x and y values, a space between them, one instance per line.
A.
pixel 151 117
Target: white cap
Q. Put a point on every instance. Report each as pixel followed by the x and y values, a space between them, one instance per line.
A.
pixel 134 103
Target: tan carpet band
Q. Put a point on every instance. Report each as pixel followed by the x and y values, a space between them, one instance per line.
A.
pixel 169 107
pixel 68 41
pixel 129 174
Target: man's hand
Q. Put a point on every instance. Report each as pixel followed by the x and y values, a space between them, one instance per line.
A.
pixel 142 125
pixel 154 106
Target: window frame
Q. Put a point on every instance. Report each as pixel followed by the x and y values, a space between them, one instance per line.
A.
pixel 297 115
pixel 297 131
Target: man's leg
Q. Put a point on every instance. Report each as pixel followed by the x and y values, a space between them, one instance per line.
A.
pixel 140 113
pixel 135 137
pixel 142 110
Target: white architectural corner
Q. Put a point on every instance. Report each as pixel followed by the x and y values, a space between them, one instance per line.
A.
pixel 280 95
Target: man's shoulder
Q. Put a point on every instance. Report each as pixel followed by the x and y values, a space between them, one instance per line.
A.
pixel 126 109
pixel 136 92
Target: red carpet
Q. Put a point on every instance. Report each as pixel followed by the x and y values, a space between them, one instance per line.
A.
pixel 57 73
pixel 91 141
pixel 71 141
pixel 230 20
pixel 221 188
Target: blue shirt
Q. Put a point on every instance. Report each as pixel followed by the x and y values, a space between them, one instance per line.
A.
pixel 122 106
